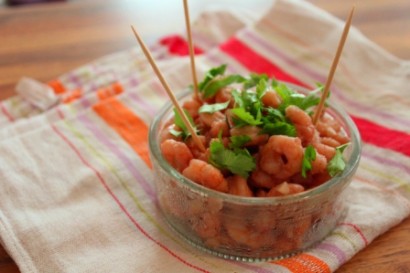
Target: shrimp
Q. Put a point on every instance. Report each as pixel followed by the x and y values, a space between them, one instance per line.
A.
pixel 272 99
pixel 281 156
pixel 242 233
pixel 192 106
pixel 285 188
pixel 224 95
pixel 323 149
pixel 207 225
pixel 253 132
pixel 205 174
pixel 239 186
pixel 260 179
pixel 196 152
pixel 329 127
pixel 319 164
pixel 303 123
pixel 176 153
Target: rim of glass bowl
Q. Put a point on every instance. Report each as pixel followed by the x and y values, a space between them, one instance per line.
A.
pixel 351 164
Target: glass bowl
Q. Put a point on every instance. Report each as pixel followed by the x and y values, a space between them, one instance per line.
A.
pixel 251 228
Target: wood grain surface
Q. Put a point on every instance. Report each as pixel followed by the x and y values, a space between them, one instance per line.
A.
pixel 45 40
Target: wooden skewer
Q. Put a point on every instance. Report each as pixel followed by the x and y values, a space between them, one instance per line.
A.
pixel 332 70
pixel 191 47
pixel 169 92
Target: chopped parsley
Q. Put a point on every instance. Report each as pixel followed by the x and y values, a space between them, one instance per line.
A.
pixel 237 161
pixel 308 158
pixel 180 123
pixel 212 108
pixel 337 163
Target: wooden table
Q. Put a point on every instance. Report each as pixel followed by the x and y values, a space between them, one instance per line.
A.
pixel 44 41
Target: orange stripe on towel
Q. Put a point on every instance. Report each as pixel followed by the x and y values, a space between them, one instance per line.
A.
pixel 129 126
pixel 72 96
pixel 57 86
pixel 304 263
pixel 110 91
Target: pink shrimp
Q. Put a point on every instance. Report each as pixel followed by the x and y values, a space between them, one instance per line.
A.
pixel 244 235
pixel 327 151
pixel 281 156
pixel 224 95
pixel 206 175
pixel 207 225
pixel 329 127
pixel 272 99
pixel 239 186
pixel 285 188
pixel 261 179
pixel 192 106
pixel 319 164
pixel 303 123
pixel 176 153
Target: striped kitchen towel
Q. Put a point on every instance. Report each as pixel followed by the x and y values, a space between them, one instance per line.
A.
pixel 77 192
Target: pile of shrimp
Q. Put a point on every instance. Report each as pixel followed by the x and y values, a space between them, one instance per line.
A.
pixel 251 230
pixel 278 157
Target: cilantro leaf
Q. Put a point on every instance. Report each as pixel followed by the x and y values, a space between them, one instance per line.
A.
pixel 290 97
pixel 212 73
pixel 308 158
pixel 237 161
pixel 254 79
pixel 337 163
pixel 243 117
pixel 238 141
pixel 217 83
pixel 212 108
pixel 279 128
pixel 180 123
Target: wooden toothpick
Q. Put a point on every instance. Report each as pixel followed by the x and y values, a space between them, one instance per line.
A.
pixel 332 70
pixel 168 90
pixel 191 47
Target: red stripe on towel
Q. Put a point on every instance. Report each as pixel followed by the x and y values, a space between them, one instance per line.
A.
pixel 256 62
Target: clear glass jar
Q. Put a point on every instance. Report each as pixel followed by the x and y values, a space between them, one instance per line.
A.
pixel 250 228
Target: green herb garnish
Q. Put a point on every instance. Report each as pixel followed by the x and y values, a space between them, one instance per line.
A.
pixel 216 84
pixel 337 163
pixel 308 158
pixel 180 123
pixel 239 141
pixel 212 108
pixel 238 161
pixel 212 73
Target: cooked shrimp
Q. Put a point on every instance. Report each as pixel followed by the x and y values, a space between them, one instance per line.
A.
pixel 192 106
pixel 244 235
pixel 272 99
pixel 176 153
pixel 253 132
pixel 327 151
pixel 224 95
pixel 329 127
pixel 260 179
pixel 330 142
pixel 206 175
pixel 319 164
pixel 207 225
pixel 281 156
pixel 208 118
pixel 285 188
pixel 197 152
pixel 239 186
pixel 219 126
pixel 303 123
